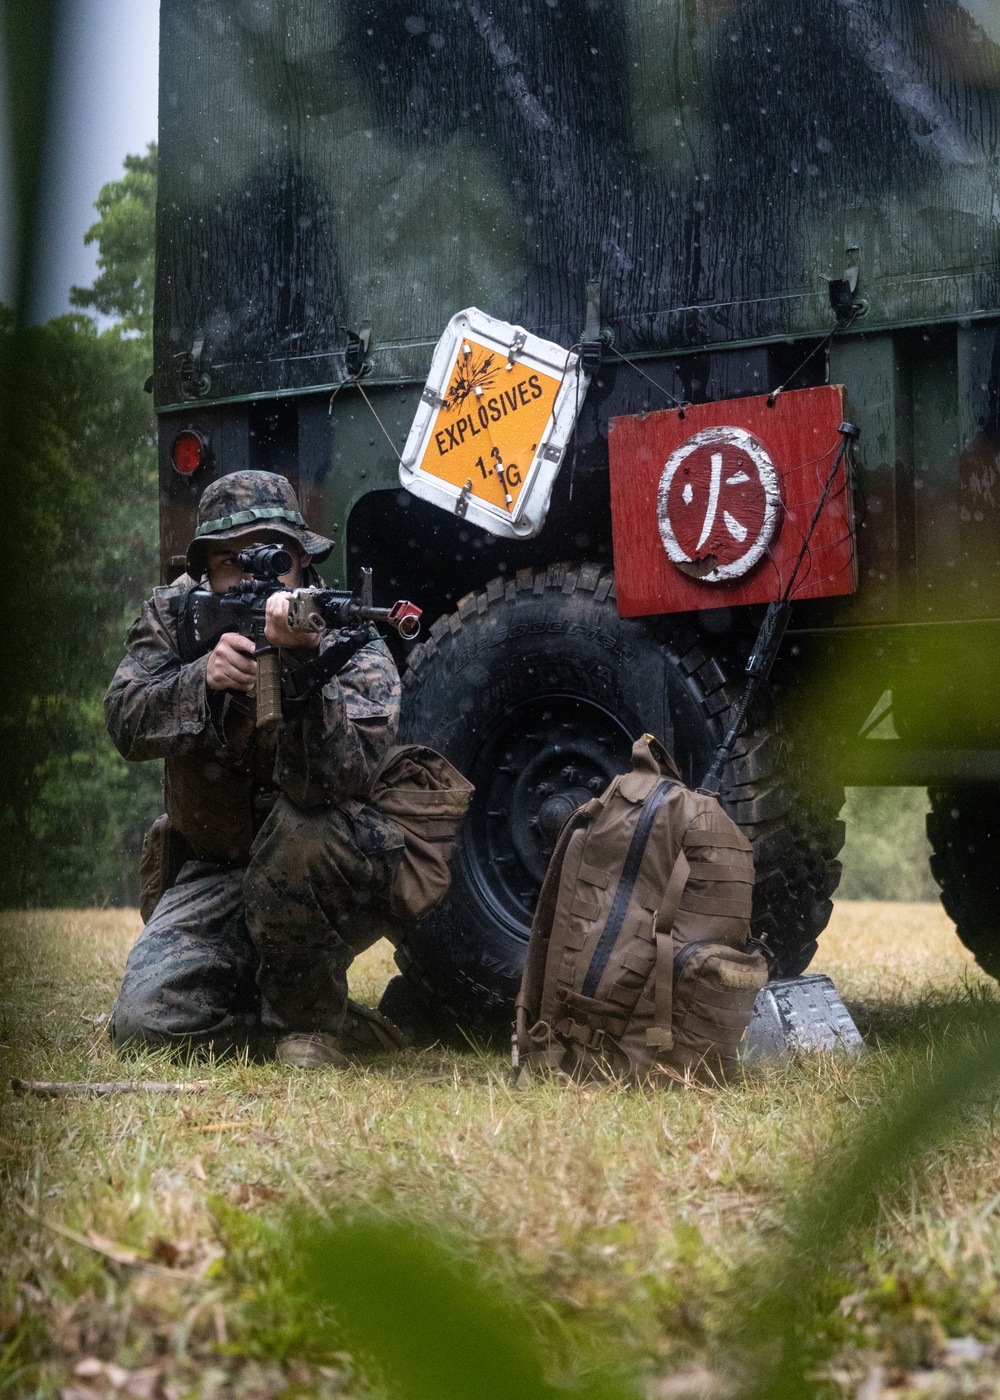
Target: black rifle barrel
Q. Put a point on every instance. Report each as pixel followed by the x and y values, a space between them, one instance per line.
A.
pixel 310 609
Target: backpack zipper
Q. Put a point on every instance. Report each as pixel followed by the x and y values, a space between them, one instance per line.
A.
pixel 687 951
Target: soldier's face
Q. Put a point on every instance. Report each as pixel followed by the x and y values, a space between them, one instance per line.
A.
pixel 223 570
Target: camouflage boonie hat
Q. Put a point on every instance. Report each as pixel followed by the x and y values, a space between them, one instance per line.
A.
pixel 244 503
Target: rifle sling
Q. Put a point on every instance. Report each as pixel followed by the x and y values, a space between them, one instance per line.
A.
pixel 626 886
pixel 311 676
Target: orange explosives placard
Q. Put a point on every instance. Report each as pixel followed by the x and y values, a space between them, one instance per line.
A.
pixel 493 422
pixel 489 427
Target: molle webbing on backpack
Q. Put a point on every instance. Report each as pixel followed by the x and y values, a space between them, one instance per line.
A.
pixel 646 902
pixel 660 1034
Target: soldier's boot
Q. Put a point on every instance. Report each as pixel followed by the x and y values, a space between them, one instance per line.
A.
pixel 311 1050
pixel 366 1031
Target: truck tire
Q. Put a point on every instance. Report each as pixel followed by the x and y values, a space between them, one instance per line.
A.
pixel 963 827
pixel 535 688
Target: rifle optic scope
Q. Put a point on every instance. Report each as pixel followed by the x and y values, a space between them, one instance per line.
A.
pixel 265 561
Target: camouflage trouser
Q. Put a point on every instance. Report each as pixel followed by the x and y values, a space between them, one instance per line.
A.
pixel 236 955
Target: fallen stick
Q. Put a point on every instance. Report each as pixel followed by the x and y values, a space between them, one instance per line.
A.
pixel 219 1127
pixel 53 1089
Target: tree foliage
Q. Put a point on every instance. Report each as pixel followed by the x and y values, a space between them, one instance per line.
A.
pixel 124 235
pixel 85 462
pixel 887 854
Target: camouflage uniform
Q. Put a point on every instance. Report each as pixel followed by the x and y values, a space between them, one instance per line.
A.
pixel 254 938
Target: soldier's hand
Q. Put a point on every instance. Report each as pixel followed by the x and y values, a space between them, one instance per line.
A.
pixel 277 630
pixel 231 665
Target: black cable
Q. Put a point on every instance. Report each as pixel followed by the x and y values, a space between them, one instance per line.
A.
pixel 824 344
pixel 772 629
pixel 677 403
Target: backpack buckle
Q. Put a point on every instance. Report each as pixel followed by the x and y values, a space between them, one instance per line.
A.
pixel 589 1037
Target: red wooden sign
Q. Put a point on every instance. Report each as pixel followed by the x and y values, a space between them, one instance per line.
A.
pixel 710 504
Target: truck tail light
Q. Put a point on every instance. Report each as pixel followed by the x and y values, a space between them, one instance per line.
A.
pixel 189 451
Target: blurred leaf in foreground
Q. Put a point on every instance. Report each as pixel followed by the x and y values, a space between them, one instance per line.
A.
pixel 414 1308
pixel 432 1329
pixel 773 1338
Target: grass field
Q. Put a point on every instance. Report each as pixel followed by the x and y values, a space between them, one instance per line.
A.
pixel 147 1238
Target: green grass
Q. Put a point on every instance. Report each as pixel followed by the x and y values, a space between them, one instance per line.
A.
pixel 622 1228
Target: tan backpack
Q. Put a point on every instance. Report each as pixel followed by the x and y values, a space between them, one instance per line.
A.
pixel 637 964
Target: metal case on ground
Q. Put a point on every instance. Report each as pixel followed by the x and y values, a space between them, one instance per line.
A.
pixel 799 1013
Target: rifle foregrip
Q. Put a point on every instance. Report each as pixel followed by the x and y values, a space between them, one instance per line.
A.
pixel 268 688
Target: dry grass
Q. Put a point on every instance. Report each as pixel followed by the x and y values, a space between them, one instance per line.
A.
pixel 898 953
pixel 627 1214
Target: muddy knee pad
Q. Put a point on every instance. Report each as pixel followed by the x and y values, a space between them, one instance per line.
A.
pixel 190 978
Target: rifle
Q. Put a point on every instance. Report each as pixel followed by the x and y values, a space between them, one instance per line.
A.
pixel 204 617
pixel 312 609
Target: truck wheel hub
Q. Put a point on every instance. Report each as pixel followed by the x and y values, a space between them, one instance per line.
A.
pixel 555 812
pixel 546 757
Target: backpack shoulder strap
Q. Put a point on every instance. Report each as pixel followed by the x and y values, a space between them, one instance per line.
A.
pixel 626 885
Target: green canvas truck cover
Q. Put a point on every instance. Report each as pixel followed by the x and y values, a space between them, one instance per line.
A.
pixel 327 163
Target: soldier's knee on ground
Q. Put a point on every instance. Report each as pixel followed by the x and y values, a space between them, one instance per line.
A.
pixel 190 978
pixel 156 1021
pixel 131 1027
pixel 151 1014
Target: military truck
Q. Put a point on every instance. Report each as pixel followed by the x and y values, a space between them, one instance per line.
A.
pixel 746 196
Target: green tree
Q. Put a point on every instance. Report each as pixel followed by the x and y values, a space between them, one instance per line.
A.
pixel 85 464
pixel 124 235
pixel 887 854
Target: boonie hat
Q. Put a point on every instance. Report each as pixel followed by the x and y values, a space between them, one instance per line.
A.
pixel 245 503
